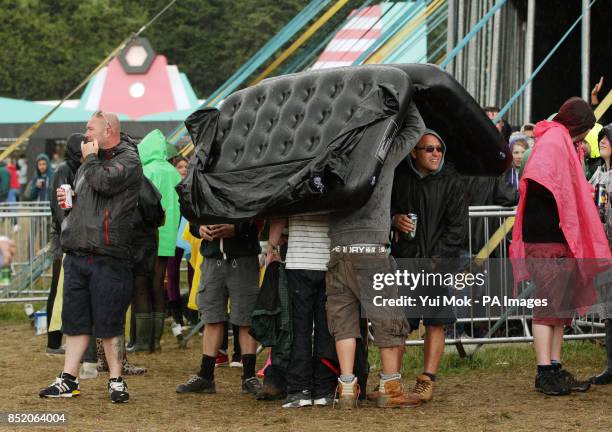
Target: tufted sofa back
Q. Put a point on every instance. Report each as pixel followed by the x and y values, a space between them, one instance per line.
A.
pixel 308 142
pixel 294 117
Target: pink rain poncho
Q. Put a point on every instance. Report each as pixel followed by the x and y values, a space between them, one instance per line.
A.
pixel 555 164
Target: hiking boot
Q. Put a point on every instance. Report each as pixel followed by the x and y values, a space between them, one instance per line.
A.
pixel 222 359
pixel 298 400
pixel 270 392
pixel 197 384
pixel 325 400
pixel 117 388
pixel 393 396
pixel 251 386
pixel 548 382
pixel 88 370
pixel 55 352
pixel 424 388
pixel 572 383
pixel 61 388
pixel 603 378
pixel 346 394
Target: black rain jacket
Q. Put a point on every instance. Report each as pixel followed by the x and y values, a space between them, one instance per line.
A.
pixel 438 200
pixel 148 217
pixel 244 243
pixel 107 187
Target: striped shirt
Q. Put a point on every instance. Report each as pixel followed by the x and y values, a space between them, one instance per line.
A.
pixel 309 244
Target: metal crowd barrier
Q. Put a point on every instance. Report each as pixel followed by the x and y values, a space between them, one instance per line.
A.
pixel 501 324
pixel 27 224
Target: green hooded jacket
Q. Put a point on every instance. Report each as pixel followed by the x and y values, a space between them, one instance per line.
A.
pixel 153 155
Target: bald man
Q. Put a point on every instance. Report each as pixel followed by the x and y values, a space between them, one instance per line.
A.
pixel 96 236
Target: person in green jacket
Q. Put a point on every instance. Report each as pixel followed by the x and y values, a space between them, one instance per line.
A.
pixel 153 155
pixel 5 182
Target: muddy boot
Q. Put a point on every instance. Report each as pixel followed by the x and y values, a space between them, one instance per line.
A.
pixel 391 395
pixel 606 376
pixel 424 388
pixel 158 330
pixel 346 394
pixel 144 331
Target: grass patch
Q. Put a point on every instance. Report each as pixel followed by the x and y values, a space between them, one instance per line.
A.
pixel 13 313
pixel 495 358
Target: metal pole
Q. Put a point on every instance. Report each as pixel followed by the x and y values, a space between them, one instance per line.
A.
pixel 450 31
pixel 529 38
pixel 459 66
pixel 494 93
pixel 472 50
pixel 585 48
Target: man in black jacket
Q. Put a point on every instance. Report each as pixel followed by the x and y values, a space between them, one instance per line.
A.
pixel 435 193
pixel 230 271
pixel 96 238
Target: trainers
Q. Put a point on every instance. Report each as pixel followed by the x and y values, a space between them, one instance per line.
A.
pixel 61 388
pixel 88 370
pixel 117 388
pixel 572 383
pixel 270 392
pixel 52 352
pixel 548 382
pixel 197 384
pixel 251 386
pixel 222 359
pixel 325 400
pixel 393 396
pixel 298 400
pixel 424 388
pixel 603 378
pixel 236 362
pixel 346 394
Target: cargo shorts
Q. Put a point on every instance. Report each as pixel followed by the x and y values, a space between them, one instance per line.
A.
pixel 350 297
pixel 236 279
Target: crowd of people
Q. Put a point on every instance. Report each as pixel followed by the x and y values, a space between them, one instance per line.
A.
pixel 124 236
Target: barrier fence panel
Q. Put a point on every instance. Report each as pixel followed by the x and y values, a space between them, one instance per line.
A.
pixel 27 224
pixel 478 324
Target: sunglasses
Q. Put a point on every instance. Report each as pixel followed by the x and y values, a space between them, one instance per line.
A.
pixel 430 149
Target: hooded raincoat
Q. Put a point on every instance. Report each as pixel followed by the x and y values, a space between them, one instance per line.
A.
pixel 153 155
pixel 438 200
pixel 35 193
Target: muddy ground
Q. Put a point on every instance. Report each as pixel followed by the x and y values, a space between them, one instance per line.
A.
pixel 473 400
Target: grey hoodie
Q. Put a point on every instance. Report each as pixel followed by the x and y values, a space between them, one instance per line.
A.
pixel 371 224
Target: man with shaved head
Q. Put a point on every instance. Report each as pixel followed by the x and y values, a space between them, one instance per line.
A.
pixel 96 236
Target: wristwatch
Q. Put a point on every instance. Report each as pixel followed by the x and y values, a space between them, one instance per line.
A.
pixel 274 249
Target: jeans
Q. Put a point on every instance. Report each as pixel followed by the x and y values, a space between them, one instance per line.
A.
pixel 309 363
